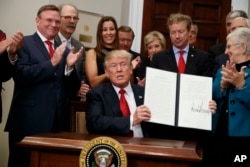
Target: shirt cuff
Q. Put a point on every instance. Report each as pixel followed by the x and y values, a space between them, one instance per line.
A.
pixel 68 70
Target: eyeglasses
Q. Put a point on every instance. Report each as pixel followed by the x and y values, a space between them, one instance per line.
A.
pixel 75 18
pixel 228 46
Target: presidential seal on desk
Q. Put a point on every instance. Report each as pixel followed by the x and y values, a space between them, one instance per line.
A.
pixel 103 152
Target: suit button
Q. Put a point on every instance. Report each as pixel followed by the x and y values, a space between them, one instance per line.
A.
pixel 233 114
pixel 232 101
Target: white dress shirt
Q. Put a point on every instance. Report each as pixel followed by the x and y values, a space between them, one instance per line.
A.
pixel 129 95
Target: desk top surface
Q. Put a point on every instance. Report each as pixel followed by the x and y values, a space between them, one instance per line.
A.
pixel 69 141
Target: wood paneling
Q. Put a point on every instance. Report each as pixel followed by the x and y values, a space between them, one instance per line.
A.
pixel 208 15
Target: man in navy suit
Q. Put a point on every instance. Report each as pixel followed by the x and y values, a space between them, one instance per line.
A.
pixel 42 80
pixel 8 49
pixel 104 115
pixel 197 62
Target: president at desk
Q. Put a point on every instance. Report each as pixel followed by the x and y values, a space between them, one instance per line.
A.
pixel 63 149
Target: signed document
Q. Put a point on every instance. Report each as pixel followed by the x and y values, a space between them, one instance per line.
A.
pixel 178 99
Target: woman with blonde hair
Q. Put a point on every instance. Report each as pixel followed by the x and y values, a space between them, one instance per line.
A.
pixel 154 42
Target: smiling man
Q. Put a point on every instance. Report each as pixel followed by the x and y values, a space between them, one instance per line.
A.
pixel 104 115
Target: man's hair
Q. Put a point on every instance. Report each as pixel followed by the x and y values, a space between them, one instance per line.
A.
pixel 47 7
pixel 117 53
pixel 236 13
pixel 179 17
pixel 128 29
pixel 60 7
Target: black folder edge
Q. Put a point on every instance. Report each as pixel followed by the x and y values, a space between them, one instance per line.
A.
pixel 177 99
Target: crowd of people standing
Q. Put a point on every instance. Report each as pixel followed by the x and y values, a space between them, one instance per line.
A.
pixel 50 68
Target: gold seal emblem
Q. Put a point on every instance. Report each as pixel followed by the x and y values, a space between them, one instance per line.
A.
pixel 103 152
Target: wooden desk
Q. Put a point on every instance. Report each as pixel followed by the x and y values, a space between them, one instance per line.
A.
pixel 63 150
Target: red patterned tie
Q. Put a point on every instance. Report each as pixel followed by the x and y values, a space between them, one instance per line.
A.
pixel 51 50
pixel 123 103
pixel 181 62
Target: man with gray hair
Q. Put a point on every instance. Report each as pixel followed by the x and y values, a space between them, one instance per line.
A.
pixel 218 49
pixel 222 58
pixel 69 19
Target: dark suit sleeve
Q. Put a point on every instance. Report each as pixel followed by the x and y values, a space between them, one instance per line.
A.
pixel 6 68
pixel 207 65
pixel 154 61
pixel 101 118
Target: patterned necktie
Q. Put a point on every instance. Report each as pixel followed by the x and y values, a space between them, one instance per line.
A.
pixel 123 103
pixel 181 62
pixel 68 44
pixel 51 50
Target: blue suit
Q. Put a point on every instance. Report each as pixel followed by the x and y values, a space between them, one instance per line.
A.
pixel 38 103
pixel 238 106
pixel 103 114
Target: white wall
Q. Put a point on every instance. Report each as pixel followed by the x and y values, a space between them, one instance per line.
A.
pixel 241 4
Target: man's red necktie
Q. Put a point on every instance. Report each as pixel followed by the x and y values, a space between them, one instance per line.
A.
pixel 51 50
pixel 123 103
pixel 181 62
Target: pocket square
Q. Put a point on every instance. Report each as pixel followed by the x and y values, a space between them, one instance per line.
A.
pixel 140 97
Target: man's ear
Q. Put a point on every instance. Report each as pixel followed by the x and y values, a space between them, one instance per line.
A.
pixel 107 74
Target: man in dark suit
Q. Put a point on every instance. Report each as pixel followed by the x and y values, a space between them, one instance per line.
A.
pixel 104 115
pixel 222 58
pixel 219 49
pixel 69 19
pixel 126 37
pixel 42 79
pixel 196 63
pixel 8 58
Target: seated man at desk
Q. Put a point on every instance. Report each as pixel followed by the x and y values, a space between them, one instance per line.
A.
pixel 108 111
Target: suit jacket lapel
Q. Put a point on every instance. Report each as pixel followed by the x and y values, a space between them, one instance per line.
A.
pixel 191 60
pixel 112 98
pixel 139 96
pixel 172 60
pixel 40 46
